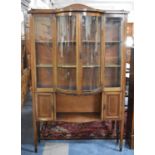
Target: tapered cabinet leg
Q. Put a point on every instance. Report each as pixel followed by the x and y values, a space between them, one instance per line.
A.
pixel 35 149
pixel 35 136
pixel 34 123
pixel 38 130
pixel 117 132
pixel 121 134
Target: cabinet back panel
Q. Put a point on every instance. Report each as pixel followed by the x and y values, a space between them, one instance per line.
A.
pixel 78 103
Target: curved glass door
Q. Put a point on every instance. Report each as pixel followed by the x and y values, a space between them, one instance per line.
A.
pixel 113 52
pixel 66 52
pixel 43 51
pixel 90 51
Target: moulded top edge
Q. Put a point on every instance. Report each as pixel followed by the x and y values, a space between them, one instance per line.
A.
pixel 51 11
pixel 75 8
pixel 55 11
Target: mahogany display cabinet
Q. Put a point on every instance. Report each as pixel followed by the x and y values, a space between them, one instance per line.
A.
pixel 78 65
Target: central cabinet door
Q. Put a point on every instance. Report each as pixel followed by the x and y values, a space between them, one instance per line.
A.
pixel 78 51
pixel 66 52
pixel 90 51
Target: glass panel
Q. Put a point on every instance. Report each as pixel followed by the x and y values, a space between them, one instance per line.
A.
pixel 44 77
pixel 113 29
pixel 91 28
pixel 113 52
pixel 90 52
pixel 43 29
pixel 112 77
pixel 67 78
pixel 43 53
pixel 66 52
pixel 91 78
pixel 43 47
pixel 43 37
pixel 66 29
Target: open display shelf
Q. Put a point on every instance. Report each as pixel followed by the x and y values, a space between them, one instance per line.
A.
pixel 77 117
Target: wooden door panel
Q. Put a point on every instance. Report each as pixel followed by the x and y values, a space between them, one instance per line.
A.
pixel 112 104
pixel 44 106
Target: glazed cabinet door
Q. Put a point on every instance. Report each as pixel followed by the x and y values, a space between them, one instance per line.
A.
pixel 43 60
pixel 90 51
pixel 66 52
pixel 44 106
pixel 113 51
pixel 112 105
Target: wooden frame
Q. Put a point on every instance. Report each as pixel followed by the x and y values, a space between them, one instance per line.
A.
pixel 111 99
pixel 44 106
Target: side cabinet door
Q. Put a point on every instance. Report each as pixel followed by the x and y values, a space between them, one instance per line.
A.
pixel 112 105
pixel 44 106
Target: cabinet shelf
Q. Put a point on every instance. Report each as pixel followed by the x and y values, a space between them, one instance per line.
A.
pixel 74 66
pixel 44 65
pixel 112 42
pixel 65 42
pixel 44 41
pixel 78 117
pixel 90 66
pixel 112 65
pixel 67 66
pixel 90 41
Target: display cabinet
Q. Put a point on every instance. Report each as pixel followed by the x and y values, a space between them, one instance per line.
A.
pixel 78 65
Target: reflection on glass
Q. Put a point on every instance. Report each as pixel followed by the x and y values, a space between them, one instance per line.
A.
pixel 113 29
pixel 91 28
pixel 66 52
pixel 43 37
pixel 44 77
pixel 90 52
pixel 67 78
pixel 43 30
pixel 91 78
pixel 43 48
pixel 112 72
pixel 66 28
pixel 43 53
pixel 112 77
pixel 112 54
pixel 89 55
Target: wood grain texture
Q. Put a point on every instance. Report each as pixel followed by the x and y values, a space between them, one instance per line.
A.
pixel 78 117
pixel 44 105
pixel 112 105
pixel 56 98
pixel 78 103
pixel 32 40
